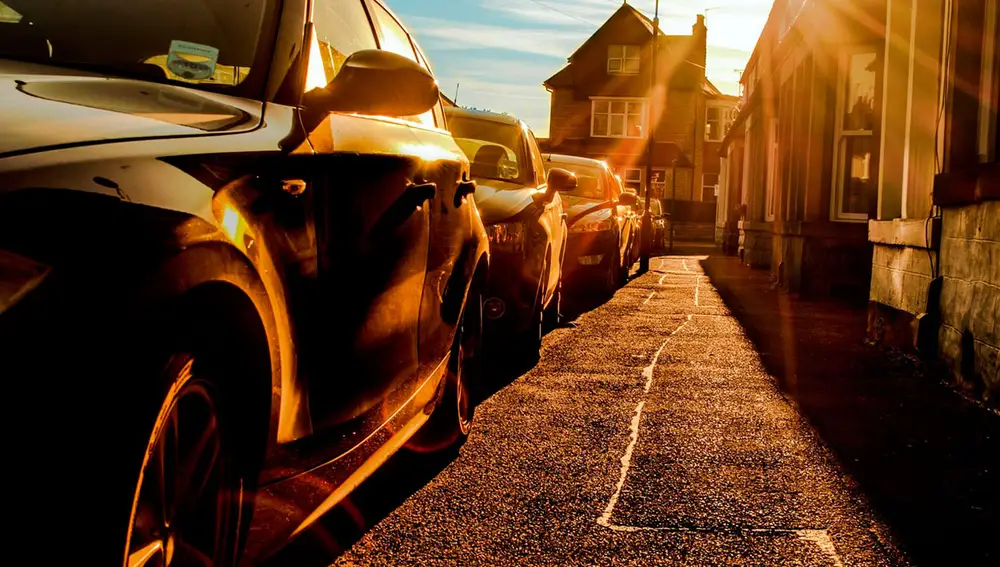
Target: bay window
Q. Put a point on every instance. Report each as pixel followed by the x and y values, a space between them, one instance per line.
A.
pixel 617 118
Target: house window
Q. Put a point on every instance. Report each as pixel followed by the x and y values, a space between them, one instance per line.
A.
pixel 772 171
pixel 631 178
pixel 718 121
pixel 855 179
pixel 623 59
pixel 709 186
pixel 617 118
pixel 658 182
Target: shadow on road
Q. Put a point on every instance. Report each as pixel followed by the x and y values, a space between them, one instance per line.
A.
pixel 925 456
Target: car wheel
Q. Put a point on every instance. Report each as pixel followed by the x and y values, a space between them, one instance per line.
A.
pixel 191 494
pixel 553 314
pixel 451 422
pixel 612 277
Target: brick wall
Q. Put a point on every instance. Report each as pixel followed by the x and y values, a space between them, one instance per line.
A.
pixel 969 336
pixel 570 118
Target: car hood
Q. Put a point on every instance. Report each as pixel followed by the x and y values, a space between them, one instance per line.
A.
pixel 576 206
pixel 499 201
pixel 43 107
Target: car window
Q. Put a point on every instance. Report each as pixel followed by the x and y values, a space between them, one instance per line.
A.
pixel 591 180
pixel 395 39
pixel 495 148
pixel 342 28
pixel 615 183
pixel 438 109
pixel 536 157
pixel 183 41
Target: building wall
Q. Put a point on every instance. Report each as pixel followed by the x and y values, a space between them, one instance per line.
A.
pixel 570 117
pixel 969 336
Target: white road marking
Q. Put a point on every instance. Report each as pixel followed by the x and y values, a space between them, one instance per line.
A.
pixel 626 460
pixel 685 264
pixel 647 372
pixel 819 538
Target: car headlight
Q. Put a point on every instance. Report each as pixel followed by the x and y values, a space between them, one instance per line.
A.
pixel 509 236
pixel 599 226
pixel 18 276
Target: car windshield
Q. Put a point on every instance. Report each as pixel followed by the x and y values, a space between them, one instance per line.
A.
pixel 200 43
pixel 493 147
pixel 590 179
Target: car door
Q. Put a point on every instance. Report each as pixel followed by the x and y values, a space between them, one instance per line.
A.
pixel 554 218
pixel 372 226
pixel 448 273
pixel 624 217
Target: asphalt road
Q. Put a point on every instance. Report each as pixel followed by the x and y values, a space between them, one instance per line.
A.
pixel 649 434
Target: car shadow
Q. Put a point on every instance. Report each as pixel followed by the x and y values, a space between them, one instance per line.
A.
pixel 338 530
pixel 924 455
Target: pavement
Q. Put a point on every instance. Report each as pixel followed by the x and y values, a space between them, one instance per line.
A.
pixel 653 432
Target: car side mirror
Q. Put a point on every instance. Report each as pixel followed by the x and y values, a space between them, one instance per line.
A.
pixel 377 82
pixel 560 180
pixel 628 200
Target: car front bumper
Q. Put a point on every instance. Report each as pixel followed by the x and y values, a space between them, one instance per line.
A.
pixel 589 254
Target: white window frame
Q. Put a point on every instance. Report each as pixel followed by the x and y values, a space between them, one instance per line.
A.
pixel 619 57
pixel 727 115
pixel 839 135
pixel 771 189
pixel 638 176
pixel 628 101
pixel 715 188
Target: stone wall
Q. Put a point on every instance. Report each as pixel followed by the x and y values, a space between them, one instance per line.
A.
pixel 755 244
pixel 969 335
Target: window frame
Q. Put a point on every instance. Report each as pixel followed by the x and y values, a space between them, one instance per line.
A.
pixel 715 187
pixel 624 59
pixel 594 101
pixel 840 135
pixel 771 171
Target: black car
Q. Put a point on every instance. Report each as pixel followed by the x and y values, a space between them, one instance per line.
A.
pixel 659 222
pixel 524 218
pixel 602 229
pixel 239 268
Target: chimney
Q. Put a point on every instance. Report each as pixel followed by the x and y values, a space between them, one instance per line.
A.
pixel 699 33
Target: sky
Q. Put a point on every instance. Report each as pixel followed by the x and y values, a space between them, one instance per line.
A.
pixel 500 51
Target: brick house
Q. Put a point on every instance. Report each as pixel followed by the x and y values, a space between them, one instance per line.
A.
pixel 865 158
pixel 603 105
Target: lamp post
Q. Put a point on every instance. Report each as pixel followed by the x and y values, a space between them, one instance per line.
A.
pixel 646 232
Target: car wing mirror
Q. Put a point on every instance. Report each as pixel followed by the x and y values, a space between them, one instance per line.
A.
pixel 377 82
pixel 628 200
pixel 561 180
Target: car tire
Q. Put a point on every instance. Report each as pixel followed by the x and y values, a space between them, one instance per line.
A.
pixel 553 313
pixel 450 423
pixel 612 277
pixel 194 511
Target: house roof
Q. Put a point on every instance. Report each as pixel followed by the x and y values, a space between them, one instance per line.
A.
pixel 482 115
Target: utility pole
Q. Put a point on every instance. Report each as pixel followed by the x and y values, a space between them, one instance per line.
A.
pixel 457 85
pixel 673 200
pixel 646 232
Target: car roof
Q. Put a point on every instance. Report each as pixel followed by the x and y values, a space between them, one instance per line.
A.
pixel 575 160
pixel 483 115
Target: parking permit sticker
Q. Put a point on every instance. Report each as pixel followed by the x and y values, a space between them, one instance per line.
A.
pixel 192 61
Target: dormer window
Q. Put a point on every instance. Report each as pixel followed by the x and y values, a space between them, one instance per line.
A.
pixel 623 59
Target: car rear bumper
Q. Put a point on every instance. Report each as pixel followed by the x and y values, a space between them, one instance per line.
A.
pixel 510 298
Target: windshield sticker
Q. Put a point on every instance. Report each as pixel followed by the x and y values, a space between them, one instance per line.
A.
pixel 192 61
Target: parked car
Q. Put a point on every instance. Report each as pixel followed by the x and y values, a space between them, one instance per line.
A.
pixel 602 227
pixel 524 218
pixel 659 222
pixel 634 216
pixel 230 288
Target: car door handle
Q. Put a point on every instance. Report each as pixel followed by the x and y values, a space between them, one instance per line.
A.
pixel 465 188
pixel 413 197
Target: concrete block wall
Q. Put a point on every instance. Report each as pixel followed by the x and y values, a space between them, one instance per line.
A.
pixel 969 335
pixel 755 248
pixel 901 277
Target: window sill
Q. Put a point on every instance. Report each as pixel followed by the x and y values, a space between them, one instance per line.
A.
pixel 911 233
pixel 968 186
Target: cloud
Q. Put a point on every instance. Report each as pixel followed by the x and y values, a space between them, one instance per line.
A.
pixel 440 34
